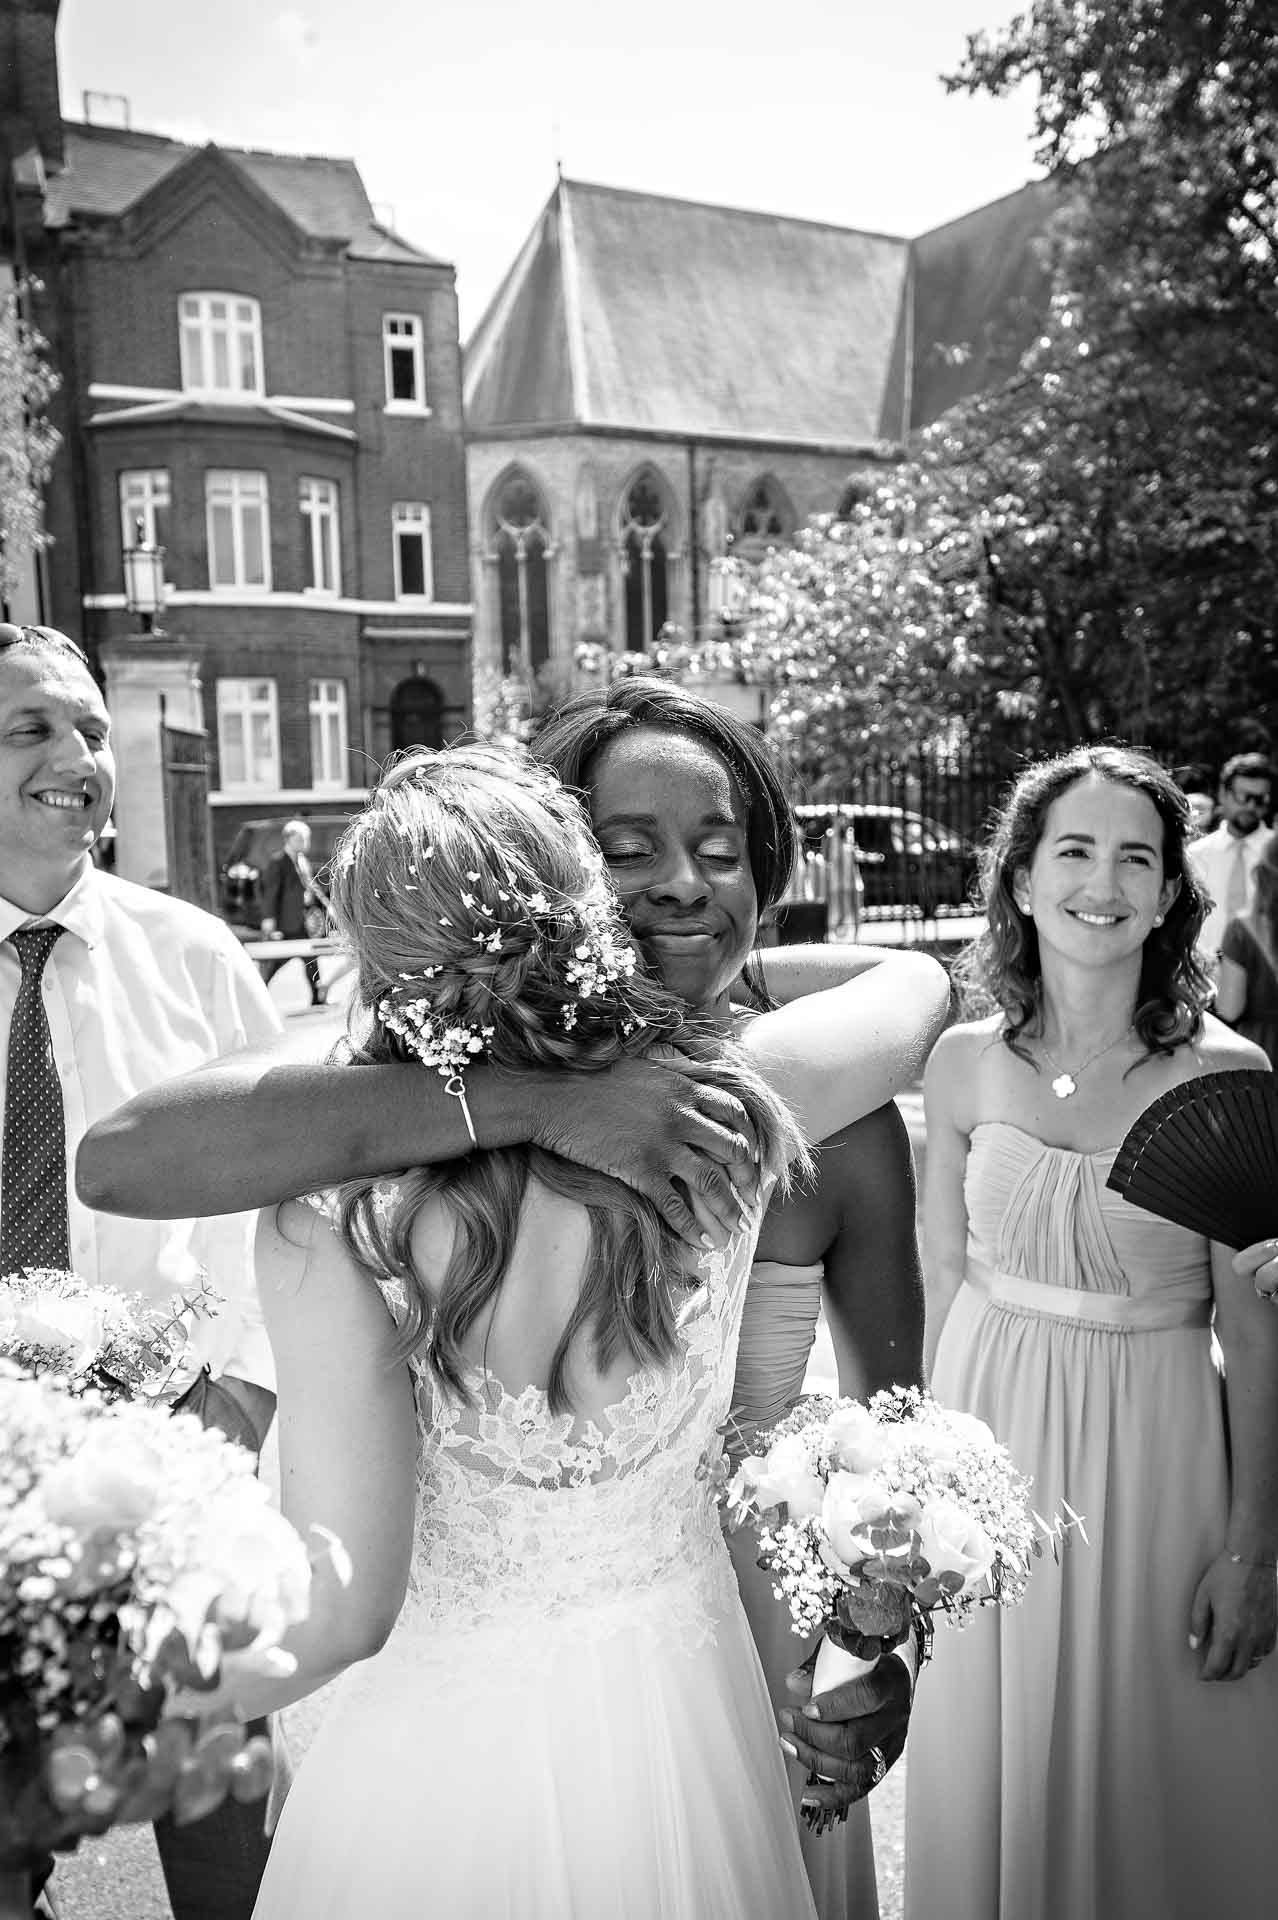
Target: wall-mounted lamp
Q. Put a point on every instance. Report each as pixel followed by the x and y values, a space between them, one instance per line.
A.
pixel 144 579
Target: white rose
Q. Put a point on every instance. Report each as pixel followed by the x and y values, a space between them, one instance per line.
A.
pixel 785 1473
pixel 76 1327
pixel 952 1542
pixel 111 1484
pixel 855 1502
pixel 947 1440
pixel 856 1440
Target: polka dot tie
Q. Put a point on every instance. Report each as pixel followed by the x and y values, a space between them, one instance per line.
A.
pixel 33 1169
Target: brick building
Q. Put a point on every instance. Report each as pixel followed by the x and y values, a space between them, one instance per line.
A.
pixel 657 384
pixel 265 380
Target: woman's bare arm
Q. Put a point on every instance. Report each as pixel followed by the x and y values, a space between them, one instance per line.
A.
pixel 254 1128
pixel 836 1056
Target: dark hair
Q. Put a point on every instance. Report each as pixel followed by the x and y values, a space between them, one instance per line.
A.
pixel 1002 966
pixel 40 640
pixel 1246 766
pixel 573 738
pixel 465 890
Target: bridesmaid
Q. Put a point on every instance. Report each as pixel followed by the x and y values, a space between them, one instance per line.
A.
pixel 1106 1750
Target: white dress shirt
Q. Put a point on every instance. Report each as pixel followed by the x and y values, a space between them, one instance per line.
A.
pixel 139 988
pixel 1212 857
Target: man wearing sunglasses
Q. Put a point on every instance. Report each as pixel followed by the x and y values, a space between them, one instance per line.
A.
pixel 106 988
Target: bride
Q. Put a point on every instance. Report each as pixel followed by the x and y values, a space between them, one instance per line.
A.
pixel 554 1705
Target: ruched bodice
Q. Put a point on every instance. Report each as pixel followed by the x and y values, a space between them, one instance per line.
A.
pixel 778 1328
pixel 1044 1214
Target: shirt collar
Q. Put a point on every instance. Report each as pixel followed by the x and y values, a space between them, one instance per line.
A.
pixel 79 910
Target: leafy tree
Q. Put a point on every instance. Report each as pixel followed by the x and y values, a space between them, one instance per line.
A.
pixel 1091 548
pixel 27 441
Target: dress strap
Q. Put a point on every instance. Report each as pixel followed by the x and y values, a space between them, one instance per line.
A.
pixel 1112 1312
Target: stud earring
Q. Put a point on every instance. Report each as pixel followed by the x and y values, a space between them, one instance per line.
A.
pixel 1158 919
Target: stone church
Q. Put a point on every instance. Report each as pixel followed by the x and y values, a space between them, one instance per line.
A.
pixel 657 385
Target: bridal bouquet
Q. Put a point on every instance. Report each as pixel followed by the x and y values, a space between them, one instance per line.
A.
pixel 138 1552
pixel 873 1517
pixel 56 1322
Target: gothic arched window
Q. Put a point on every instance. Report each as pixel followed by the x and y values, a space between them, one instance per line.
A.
pixel 521 539
pixel 765 519
pixel 644 562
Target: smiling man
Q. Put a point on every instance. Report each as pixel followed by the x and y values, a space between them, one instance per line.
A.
pixel 107 988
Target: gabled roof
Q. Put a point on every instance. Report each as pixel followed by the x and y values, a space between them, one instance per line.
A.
pixel 980 293
pixel 629 311
pixel 633 312
pixel 109 169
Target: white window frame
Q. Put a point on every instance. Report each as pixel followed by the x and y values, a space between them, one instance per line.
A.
pixel 145 492
pixel 242 492
pixel 239 703
pixel 320 508
pixel 401 331
pixel 326 708
pixel 407 517
pixel 238 331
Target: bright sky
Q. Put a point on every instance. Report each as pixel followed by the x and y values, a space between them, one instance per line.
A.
pixel 456 111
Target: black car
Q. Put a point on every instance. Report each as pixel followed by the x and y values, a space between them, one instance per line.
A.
pixel 240 876
pixel 902 858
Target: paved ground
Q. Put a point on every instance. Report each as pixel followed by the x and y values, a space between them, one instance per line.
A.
pixel 118 1877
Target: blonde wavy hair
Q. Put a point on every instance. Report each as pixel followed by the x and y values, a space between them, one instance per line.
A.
pixel 454 847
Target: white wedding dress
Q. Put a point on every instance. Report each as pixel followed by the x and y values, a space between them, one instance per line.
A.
pixel 569 1719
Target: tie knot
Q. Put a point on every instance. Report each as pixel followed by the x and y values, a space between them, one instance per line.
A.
pixel 34 945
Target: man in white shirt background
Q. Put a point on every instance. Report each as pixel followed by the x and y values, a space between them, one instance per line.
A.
pixel 1225 859
pixel 106 988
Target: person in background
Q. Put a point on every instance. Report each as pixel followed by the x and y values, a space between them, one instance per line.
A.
pixel 106 988
pixel 1247 981
pixel 293 904
pixel 250 1131
pixel 1048 1775
pixel 1225 859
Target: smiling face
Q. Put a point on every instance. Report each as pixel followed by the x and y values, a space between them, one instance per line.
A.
pixel 671 822
pixel 1095 884
pixel 57 774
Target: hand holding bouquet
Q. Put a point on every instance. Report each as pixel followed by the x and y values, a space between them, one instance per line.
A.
pixel 137 1551
pixel 873 1517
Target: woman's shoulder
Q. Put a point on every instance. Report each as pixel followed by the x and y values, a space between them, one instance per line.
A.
pixel 1218 1049
pixel 962 1045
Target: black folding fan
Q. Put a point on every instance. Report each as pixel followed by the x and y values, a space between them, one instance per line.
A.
pixel 1205 1156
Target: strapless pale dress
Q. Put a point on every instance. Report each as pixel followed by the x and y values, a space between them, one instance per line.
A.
pixel 777 1332
pixel 1065 1760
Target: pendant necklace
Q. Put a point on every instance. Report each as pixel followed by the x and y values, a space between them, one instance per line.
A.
pixel 1066 1081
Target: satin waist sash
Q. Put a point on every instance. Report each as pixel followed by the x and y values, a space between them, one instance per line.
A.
pixel 1112 1312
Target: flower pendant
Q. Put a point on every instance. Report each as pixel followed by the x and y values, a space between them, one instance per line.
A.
pixel 1063 1085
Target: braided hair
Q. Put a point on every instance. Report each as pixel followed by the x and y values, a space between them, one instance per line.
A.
pixel 474 900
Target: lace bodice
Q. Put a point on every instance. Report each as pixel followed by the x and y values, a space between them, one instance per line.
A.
pixel 536 1526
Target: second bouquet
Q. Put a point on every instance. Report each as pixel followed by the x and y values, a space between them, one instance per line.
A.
pixel 873 1516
